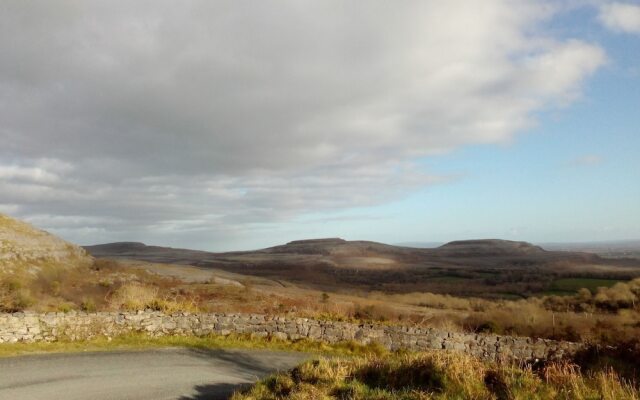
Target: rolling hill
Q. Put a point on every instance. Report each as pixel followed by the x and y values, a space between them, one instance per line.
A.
pixel 472 267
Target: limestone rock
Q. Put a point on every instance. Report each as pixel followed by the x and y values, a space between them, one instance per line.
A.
pixel 28 249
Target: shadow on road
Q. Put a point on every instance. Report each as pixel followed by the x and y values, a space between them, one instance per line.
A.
pixel 220 391
pixel 250 366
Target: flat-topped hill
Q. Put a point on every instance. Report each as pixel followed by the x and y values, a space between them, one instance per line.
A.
pixel 331 263
pixel 353 254
pixel 319 242
pixel 336 247
pixel 488 247
pixel 26 248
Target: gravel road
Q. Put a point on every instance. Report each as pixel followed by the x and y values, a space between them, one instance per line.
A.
pixel 183 374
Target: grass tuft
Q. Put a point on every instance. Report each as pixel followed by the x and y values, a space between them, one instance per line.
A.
pixel 435 375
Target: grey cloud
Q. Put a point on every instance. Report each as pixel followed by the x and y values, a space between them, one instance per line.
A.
pixel 134 116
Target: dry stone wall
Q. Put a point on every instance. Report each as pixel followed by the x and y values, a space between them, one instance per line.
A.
pixel 32 327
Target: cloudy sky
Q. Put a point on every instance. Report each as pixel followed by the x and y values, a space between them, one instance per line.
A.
pixel 241 124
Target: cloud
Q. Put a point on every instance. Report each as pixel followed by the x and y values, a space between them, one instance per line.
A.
pixel 621 17
pixel 586 160
pixel 158 118
pixel 13 172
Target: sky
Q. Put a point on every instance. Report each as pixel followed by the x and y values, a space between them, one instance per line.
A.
pixel 227 125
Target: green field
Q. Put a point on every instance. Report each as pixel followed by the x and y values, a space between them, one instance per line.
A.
pixel 485 274
pixel 572 285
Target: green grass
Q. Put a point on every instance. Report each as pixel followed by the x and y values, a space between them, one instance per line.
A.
pixel 140 341
pixel 485 274
pixel 572 285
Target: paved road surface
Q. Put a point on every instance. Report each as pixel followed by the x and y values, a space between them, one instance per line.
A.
pixel 183 374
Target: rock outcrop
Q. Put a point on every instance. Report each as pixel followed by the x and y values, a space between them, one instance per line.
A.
pixel 24 248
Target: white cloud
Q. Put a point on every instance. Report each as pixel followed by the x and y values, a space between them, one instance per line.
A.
pixel 220 115
pixel 621 17
pixel 587 160
pixel 14 172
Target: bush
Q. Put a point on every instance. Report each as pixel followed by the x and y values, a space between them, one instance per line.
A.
pixel 134 297
pixel 616 297
pixel 88 305
pixel 14 296
pixel 324 298
pixel 375 313
pixel 489 327
pixel 65 307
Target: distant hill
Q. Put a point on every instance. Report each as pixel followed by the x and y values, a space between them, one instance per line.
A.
pixel 608 249
pixel 140 251
pixel 352 254
pixel 28 249
pixel 486 267
pixel 420 245
pixel 489 247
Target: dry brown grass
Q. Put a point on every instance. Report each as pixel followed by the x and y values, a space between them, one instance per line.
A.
pixel 136 296
pixel 133 296
pixel 14 296
pixel 436 375
pixel 609 315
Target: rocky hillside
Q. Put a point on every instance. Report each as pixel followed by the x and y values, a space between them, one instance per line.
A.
pixel 26 248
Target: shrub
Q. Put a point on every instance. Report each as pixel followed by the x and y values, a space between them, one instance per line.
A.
pixel 65 307
pixel 324 298
pixel 14 296
pixel 55 288
pixel 105 283
pixel 88 305
pixel 22 300
pixel 489 327
pixel 374 312
pixel 618 296
pixel 134 297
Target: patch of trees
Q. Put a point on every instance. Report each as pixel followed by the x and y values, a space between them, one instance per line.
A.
pixel 622 295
